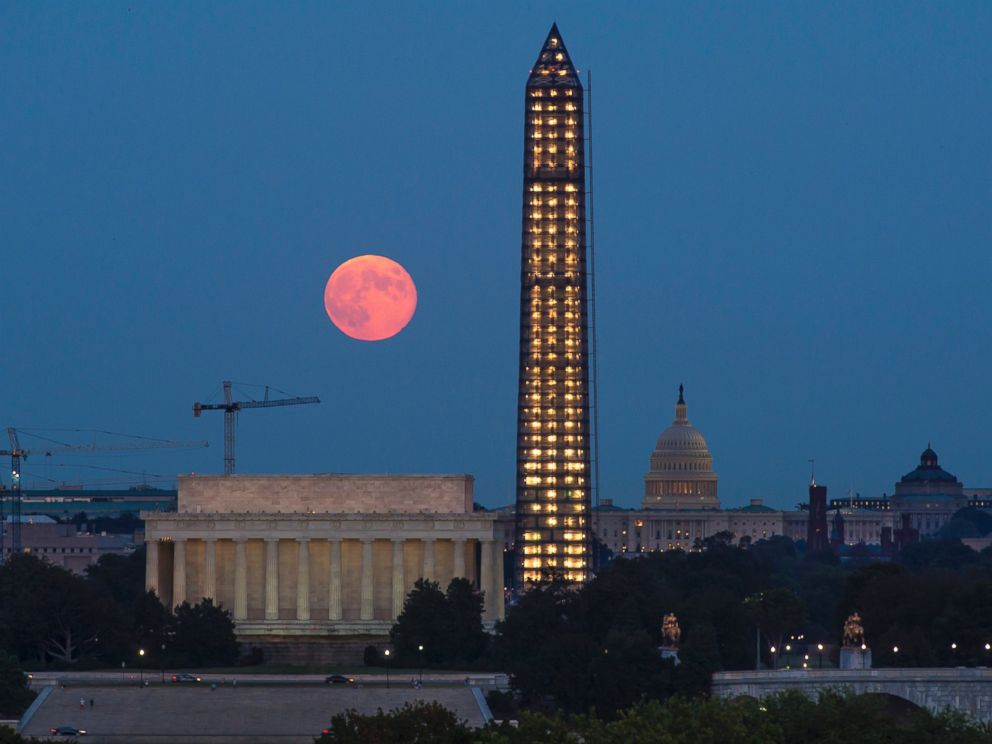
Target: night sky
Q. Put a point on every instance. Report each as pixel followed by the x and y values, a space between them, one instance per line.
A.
pixel 792 212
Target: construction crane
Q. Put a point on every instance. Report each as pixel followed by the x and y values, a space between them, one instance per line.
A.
pixel 230 407
pixel 18 453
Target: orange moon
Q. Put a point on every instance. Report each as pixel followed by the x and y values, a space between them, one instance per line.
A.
pixel 370 298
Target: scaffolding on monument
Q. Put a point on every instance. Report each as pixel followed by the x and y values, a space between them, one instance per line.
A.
pixel 593 346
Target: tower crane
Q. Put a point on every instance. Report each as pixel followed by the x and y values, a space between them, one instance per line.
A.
pixel 18 453
pixel 230 407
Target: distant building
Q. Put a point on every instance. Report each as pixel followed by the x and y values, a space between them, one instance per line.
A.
pixel 62 545
pixel 928 495
pixel 66 503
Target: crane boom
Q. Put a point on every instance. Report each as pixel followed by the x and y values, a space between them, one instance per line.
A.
pixel 18 453
pixel 230 407
pixel 242 404
pixel 87 448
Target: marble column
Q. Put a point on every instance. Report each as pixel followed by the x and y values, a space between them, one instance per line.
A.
pixel 151 567
pixel 459 548
pixel 303 579
pixel 486 579
pixel 210 569
pixel 334 588
pixel 429 558
pixel 368 610
pixel 179 572
pixel 240 579
pixel 271 578
pixel 398 593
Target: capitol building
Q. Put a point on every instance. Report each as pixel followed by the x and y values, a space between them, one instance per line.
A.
pixel 681 504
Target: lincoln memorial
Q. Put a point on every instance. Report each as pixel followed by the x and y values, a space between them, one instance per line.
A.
pixel 297 556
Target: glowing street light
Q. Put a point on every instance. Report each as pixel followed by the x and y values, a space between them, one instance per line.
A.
pixel 387 654
pixel 420 648
pixel 141 667
pixel 819 655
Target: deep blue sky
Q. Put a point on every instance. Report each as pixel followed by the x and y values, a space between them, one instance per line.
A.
pixel 793 219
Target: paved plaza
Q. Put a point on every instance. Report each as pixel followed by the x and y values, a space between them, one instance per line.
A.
pixel 244 713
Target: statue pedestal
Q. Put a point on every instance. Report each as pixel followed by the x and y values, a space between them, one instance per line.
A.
pixel 670 652
pixel 855 658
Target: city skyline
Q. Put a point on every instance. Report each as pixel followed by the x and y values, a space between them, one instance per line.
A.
pixel 792 220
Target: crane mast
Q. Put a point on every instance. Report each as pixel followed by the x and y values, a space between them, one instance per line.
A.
pixel 232 407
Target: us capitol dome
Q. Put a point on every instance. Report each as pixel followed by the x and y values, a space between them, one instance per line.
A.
pixel 681 474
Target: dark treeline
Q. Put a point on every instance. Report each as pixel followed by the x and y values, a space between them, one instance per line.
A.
pixel 597 648
pixel 51 617
pixel 788 718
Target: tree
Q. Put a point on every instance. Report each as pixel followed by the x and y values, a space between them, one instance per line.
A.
pixel 421 622
pixel 776 612
pixel 123 576
pixel 205 635
pixel 76 612
pixel 534 643
pixel 699 657
pixel 15 695
pixel 447 625
pixel 23 631
pixel 417 723
pixel 949 554
pixel 49 612
pixel 466 639
pixel 152 627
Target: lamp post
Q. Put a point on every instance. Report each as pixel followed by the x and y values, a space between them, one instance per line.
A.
pixel 819 655
pixel 788 652
pixel 141 667
pixel 420 649
pixel 387 654
pixel 864 648
pixel 774 664
pixel 162 662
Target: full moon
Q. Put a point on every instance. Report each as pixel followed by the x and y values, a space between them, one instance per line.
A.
pixel 370 298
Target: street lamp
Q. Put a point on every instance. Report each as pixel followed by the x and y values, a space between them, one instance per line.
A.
pixel 788 652
pixel 386 654
pixel 864 648
pixel 819 655
pixel 774 665
pixel 162 662
pixel 141 667
pixel 420 648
